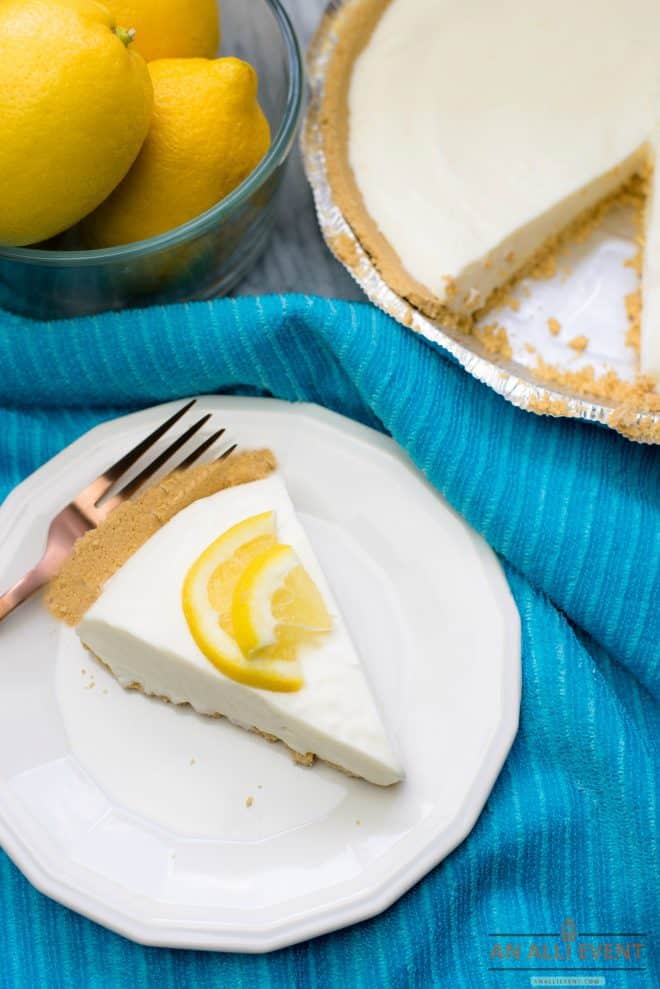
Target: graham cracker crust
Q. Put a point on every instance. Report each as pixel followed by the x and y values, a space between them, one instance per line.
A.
pixel 102 551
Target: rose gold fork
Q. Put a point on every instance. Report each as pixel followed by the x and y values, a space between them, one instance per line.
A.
pixel 85 512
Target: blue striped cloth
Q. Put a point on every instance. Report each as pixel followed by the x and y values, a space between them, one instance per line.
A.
pixel 574 511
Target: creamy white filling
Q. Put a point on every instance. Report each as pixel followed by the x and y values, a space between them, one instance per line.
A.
pixel 138 628
pixel 479 130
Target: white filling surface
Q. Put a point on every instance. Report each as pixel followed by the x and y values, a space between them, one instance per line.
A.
pixel 478 130
pixel 138 628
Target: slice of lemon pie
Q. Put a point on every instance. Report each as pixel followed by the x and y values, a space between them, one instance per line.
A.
pixel 225 607
pixel 463 140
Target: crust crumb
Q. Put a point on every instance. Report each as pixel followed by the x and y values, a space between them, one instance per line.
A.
pixel 451 288
pixel 304 758
pixel 346 249
pixel 548 405
pixel 633 303
pixel 545 269
pixel 579 343
pixel 554 326
pixel 627 421
pixel 495 339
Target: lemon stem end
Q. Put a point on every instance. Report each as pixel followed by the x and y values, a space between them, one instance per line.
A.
pixel 125 35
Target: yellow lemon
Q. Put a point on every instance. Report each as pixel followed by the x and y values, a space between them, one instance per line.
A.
pixel 276 602
pixel 75 107
pixel 206 598
pixel 170 28
pixel 208 133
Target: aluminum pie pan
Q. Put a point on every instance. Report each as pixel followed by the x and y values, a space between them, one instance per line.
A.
pixel 511 378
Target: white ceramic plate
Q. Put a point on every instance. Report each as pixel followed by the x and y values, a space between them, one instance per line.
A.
pixel 135 813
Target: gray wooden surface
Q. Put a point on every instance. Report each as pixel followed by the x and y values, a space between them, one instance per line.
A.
pixel 296 258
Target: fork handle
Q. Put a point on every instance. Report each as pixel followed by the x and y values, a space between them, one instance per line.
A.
pixel 24 588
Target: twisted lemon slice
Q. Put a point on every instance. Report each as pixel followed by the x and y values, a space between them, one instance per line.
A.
pixel 275 601
pixel 250 605
pixel 207 596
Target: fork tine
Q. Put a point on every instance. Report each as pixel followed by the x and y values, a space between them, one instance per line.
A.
pixel 223 456
pixel 202 448
pixel 104 482
pixel 155 465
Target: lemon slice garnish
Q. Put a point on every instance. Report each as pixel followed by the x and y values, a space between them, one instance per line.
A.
pixel 276 605
pixel 207 596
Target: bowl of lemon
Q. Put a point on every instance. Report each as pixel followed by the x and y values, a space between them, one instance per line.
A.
pixel 143 143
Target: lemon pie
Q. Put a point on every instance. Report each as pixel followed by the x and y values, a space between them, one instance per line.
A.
pixel 463 141
pixel 226 608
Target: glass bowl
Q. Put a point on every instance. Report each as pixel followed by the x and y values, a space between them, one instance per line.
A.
pixel 206 256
